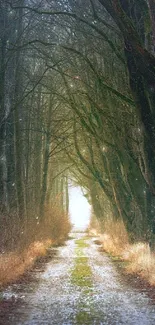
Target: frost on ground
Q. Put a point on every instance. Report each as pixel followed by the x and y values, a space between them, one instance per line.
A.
pixel 51 297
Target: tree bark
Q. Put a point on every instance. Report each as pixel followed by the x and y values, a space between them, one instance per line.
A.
pixel 152 14
pixel 17 128
pixel 141 67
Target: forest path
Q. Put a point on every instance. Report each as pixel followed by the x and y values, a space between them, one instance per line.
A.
pixel 79 285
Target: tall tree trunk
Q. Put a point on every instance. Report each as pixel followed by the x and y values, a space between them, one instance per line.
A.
pixel 17 129
pixel 67 195
pixel 141 67
pixel 46 159
pixel 3 167
pixel 44 180
pixel 95 201
pixel 152 14
pixel 62 192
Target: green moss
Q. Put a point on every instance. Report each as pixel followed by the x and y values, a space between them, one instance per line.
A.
pixel 81 274
pixel 115 258
pixel 81 243
pixel 78 251
pixel 83 317
pixel 81 259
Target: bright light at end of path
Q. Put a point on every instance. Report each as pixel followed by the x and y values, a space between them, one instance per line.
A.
pixel 79 208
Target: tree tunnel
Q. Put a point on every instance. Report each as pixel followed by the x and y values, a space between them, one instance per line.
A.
pixel 77 95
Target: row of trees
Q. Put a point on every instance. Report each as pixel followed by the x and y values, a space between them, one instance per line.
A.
pixel 77 98
pixel 31 171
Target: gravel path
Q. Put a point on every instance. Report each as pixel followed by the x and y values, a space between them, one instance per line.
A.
pixel 50 298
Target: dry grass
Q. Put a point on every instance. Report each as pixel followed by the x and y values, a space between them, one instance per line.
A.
pixel 115 238
pixel 13 265
pixel 21 244
pixel 140 260
pixel 18 234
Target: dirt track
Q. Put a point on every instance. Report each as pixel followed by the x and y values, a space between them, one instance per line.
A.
pixel 50 297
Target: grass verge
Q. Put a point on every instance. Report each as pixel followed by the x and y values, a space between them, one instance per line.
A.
pixel 81 273
pixel 81 276
pixel 22 244
pixel 15 264
pixel 137 258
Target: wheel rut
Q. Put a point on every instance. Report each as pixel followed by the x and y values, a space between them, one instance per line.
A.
pixel 79 285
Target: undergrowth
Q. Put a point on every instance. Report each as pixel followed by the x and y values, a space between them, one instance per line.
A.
pixel 21 244
pixel 137 257
pixel 14 264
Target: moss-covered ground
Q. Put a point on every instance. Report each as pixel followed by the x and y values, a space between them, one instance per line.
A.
pixel 81 276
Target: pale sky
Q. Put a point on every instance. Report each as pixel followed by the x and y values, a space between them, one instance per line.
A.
pixel 79 208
